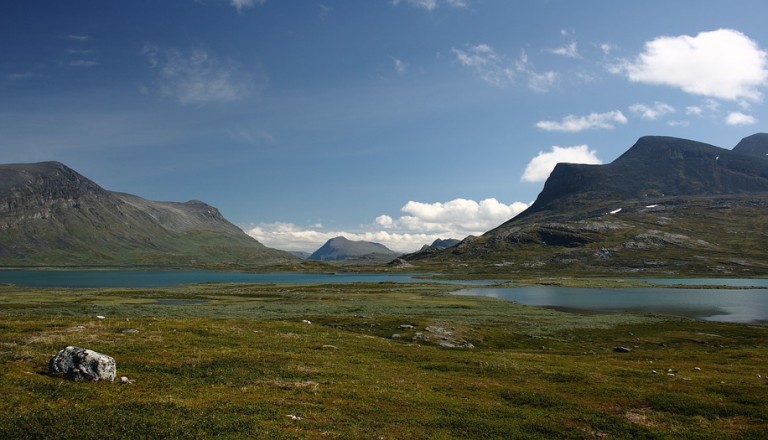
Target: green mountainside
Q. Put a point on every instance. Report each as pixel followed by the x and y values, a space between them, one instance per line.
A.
pixel 50 215
pixel 666 206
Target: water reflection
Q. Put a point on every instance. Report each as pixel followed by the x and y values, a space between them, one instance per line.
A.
pixel 725 305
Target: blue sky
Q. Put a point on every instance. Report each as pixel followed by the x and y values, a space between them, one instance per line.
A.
pixel 390 121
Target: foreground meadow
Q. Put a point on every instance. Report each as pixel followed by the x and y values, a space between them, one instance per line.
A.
pixel 378 361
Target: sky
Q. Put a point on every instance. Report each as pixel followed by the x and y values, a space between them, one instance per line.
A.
pixel 393 121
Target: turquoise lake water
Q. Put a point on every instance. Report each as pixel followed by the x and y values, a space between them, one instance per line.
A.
pixel 725 305
pixel 170 278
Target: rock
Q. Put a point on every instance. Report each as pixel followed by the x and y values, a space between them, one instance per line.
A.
pixel 77 363
pixel 129 331
pixel 622 349
pixel 405 326
pixel 306 321
pixel 125 380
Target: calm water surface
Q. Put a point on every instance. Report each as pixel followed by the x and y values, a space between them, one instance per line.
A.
pixel 727 305
pixel 169 278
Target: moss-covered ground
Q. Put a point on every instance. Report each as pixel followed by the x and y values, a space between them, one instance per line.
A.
pixel 239 361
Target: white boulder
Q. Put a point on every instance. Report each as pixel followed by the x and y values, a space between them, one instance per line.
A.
pixel 77 363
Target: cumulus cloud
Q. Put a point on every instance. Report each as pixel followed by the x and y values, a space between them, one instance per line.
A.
pixel 739 118
pixel 723 64
pixel 573 123
pixel 652 112
pixel 196 76
pixel 541 166
pixel 420 224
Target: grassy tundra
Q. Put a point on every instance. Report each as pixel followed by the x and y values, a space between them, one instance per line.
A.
pixel 238 361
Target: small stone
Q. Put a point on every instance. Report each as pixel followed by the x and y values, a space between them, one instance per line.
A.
pixel 396 336
pixel 306 321
pixel 100 317
pixel 622 349
pixel 696 369
pixel 654 372
pixel 406 326
pixel 330 347
pixel 129 331
pixel 293 417
pixel 125 380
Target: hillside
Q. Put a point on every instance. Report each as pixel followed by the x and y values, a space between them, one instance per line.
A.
pixel 52 215
pixel 666 206
pixel 340 249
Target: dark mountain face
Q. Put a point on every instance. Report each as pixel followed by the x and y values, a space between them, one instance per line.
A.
pixel 667 206
pixel 51 215
pixel 755 145
pixel 342 249
pixel 655 167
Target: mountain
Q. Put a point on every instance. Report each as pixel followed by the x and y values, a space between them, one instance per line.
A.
pixel 52 215
pixel 436 246
pixel 667 205
pixel 340 249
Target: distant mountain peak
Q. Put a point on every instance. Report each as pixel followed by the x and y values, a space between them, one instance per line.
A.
pixel 343 249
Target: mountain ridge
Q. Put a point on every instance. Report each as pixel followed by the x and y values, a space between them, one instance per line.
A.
pixel 667 205
pixel 52 215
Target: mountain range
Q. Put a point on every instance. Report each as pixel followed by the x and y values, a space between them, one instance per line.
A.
pixel 51 215
pixel 667 205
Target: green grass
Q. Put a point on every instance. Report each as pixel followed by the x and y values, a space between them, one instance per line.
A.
pixel 244 365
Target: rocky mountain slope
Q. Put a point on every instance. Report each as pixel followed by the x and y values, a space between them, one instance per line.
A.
pixel 667 205
pixel 340 249
pixel 52 215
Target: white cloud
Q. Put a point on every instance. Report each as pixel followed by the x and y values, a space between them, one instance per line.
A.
pixel 573 123
pixel 607 48
pixel 496 71
pixel 694 110
pixel 739 118
pixel 431 5
pixel 196 76
pixel 243 4
pixel 400 66
pixel 652 112
pixel 724 64
pixel 422 224
pixel 487 64
pixel 568 51
pixel 541 166
pixel 538 82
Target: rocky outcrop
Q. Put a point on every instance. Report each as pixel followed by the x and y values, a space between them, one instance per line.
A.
pixel 77 363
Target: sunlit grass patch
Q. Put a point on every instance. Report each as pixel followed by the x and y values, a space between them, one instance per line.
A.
pixel 321 362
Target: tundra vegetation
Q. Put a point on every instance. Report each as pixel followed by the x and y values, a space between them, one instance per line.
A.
pixel 370 361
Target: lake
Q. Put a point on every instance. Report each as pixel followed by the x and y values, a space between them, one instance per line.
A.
pixel 171 278
pixel 726 305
